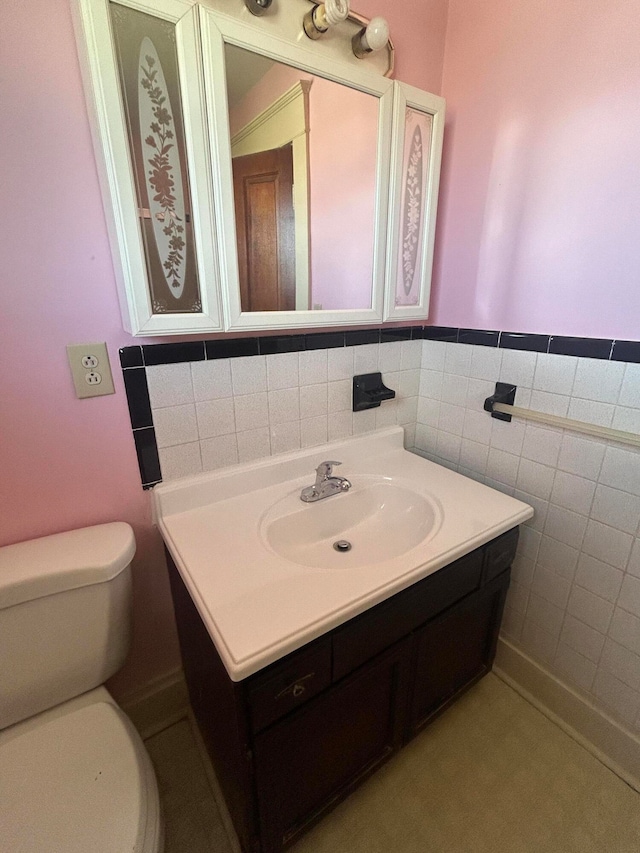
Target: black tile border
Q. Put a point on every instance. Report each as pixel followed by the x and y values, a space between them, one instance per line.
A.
pixel 440 333
pixel 281 344
pixel 479 337
pixel 148 459
pixel 233 348
pixel 522 341
pixel 626 351
pixel 155 354
pixel 582 347
pixel 135 359
pixel 362 337
pixel 137 389
pixel 324 340
pixel 131 357
pixel 391 336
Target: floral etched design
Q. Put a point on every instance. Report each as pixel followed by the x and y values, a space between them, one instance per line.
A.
pixel 160 175
pixel 160 306
pixel 412 211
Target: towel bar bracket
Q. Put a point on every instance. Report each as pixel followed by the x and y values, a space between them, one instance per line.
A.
pixel 504 393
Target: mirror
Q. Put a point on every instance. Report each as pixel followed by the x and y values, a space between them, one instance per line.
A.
pixel 301 143
pixel 303 152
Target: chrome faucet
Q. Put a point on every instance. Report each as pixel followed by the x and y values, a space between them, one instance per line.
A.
pixel 325 484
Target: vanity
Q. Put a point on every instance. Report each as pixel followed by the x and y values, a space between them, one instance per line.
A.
pixel 309 666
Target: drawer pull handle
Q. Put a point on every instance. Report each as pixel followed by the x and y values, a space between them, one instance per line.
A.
pixel 297 688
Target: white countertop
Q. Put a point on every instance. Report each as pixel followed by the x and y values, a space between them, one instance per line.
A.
pixel 258 606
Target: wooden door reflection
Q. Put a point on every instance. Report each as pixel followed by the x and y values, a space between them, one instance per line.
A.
pixel 265 229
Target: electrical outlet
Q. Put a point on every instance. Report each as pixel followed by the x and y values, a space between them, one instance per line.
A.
pixel 90 369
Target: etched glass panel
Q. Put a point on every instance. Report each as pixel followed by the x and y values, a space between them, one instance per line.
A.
pixel 148 68
pixel 415 172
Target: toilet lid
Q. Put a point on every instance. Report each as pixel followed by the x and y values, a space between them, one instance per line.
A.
pixel 77 783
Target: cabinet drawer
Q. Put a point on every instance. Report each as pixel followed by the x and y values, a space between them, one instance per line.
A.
pixel 499 554
pixel 369 634
pixel 290 683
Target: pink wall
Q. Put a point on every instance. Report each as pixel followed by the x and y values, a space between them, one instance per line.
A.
pixel 342 163
pixel 538 221
pixel 417 29
pixel 64 462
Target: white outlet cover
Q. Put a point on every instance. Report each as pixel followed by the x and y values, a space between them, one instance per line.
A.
pixel 90 369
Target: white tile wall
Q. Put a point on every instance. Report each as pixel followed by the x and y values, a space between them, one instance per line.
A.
pixel 209 414
pixel 574 602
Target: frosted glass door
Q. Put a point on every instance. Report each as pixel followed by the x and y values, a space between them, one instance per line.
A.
pixel 417 146
pixel 143 79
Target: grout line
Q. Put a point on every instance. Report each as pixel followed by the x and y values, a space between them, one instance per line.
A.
pixel 174 721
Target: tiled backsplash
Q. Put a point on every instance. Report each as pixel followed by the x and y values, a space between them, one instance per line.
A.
pixel 196 381
pixel 574 602
pixel 135 361
pixel 208 414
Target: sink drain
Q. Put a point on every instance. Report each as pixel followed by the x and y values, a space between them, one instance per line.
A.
pixel 342 545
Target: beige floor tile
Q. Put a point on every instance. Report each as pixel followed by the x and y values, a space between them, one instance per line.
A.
pixel 492 774
pixel 192 819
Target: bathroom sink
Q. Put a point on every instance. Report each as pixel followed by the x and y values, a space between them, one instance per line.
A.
pixel 374 521
pixel 260 564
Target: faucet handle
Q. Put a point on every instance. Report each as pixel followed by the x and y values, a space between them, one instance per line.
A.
pixel 324 469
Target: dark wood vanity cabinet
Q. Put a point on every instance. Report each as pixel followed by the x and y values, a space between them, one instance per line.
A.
pixel 317 755
pixel 291 741
pixel 453 651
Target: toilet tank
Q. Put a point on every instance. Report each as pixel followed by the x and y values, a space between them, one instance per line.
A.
pixel 65 616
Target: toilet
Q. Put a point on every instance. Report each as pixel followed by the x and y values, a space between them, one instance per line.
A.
pixel 74 773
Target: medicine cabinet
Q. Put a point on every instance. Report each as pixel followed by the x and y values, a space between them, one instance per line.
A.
pixel 252 178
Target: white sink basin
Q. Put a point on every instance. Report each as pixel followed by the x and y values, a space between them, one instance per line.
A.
pixel 260 564
pixel 375 520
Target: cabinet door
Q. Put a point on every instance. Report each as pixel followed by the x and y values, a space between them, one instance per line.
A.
pixel 418 127
pixel 143 79
pixel 454 651
pixel 311 760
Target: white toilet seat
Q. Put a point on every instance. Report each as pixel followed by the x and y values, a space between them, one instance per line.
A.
pixel 81 781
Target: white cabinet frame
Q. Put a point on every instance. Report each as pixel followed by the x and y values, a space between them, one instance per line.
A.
pixel 218 30
pixel 406 96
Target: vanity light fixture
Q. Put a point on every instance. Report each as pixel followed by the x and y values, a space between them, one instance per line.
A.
pixel 324 15
pixel 257 7
pixel 374 36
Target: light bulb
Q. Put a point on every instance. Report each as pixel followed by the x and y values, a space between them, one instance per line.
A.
pixel 336 11
pixel 372 37
pixel 318 20
pixel 376 34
